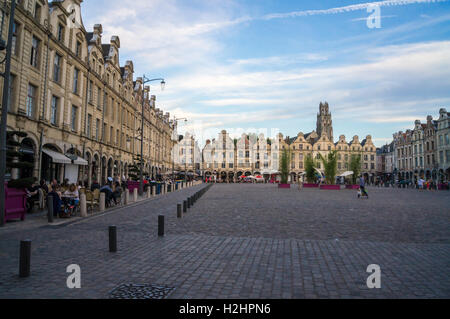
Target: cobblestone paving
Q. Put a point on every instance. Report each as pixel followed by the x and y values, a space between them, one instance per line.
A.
pixel 247 241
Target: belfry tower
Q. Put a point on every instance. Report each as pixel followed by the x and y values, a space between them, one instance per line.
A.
pixel 324 121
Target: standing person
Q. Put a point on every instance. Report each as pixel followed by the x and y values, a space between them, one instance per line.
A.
pixel 362 185
pixel 117 194
pixel 420 183
pixel 55 192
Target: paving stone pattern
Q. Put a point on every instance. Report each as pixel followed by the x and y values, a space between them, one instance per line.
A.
pixel 245 241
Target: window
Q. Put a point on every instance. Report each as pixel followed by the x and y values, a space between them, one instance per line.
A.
pixel 111 134
pixel 15 39
pixel 97 129
pixel 60 34
pixel 37 12
pixel 54 111
pixel 447 141
pixel 104 132
pixel 441 140
pixel 73 118
pixel 31 100
pixel 35 44
pixel 12 90
pixel 57 68
pixel 76 75
pixel 78 49
pixel 89 126
pixel 91 92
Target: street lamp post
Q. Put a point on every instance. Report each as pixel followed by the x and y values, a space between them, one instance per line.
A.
pixel 144 81
pixel 5 102
pixel 173 159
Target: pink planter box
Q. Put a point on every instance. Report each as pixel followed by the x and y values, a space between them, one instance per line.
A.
pixel 352 187
pixel 15 203
pixel 284 185
pixel 132 186
pixel 331 187
pixel 310 185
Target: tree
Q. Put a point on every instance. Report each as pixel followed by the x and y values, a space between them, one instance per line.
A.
pixel 330 167
pixel 284 166
pixel 355 166
pixel 310 169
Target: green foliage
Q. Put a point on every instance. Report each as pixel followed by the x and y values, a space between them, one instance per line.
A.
pixel 310 170
pixel 330 167
pixel 355 166
pixel 284 166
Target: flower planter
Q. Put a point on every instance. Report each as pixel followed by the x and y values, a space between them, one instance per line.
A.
pixel 352 187
pixel 284 186
pixel 15 203
pixel 331 187
pixel 310 185
pixel 132 185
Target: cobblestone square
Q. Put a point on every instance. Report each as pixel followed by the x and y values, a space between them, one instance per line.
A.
pixel 246 241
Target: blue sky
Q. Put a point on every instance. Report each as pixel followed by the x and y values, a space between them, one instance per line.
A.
pixel 263 65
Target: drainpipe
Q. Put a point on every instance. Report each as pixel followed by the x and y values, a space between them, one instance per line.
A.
pixel 44 108
pixel 86 110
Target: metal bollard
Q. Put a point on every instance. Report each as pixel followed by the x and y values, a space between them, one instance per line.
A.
pixel 149 193
pixel 25 258
pixel 50 208
pixel 83 205
pixel 179 213
pixel 102 202
pixel 160 225
pixel 112 239
pixel 184 206
pixel 188 203
pixel 135 195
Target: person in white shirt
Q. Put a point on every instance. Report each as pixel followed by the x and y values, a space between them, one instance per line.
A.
pixel 420 182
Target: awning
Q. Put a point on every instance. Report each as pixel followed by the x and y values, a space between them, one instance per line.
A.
pixel 57 157
pixel 77 160
pixel 346 174
pixel 80 161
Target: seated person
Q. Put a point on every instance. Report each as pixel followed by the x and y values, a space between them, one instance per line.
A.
pixel 44 186
pixel 71 197
pixel 32 195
